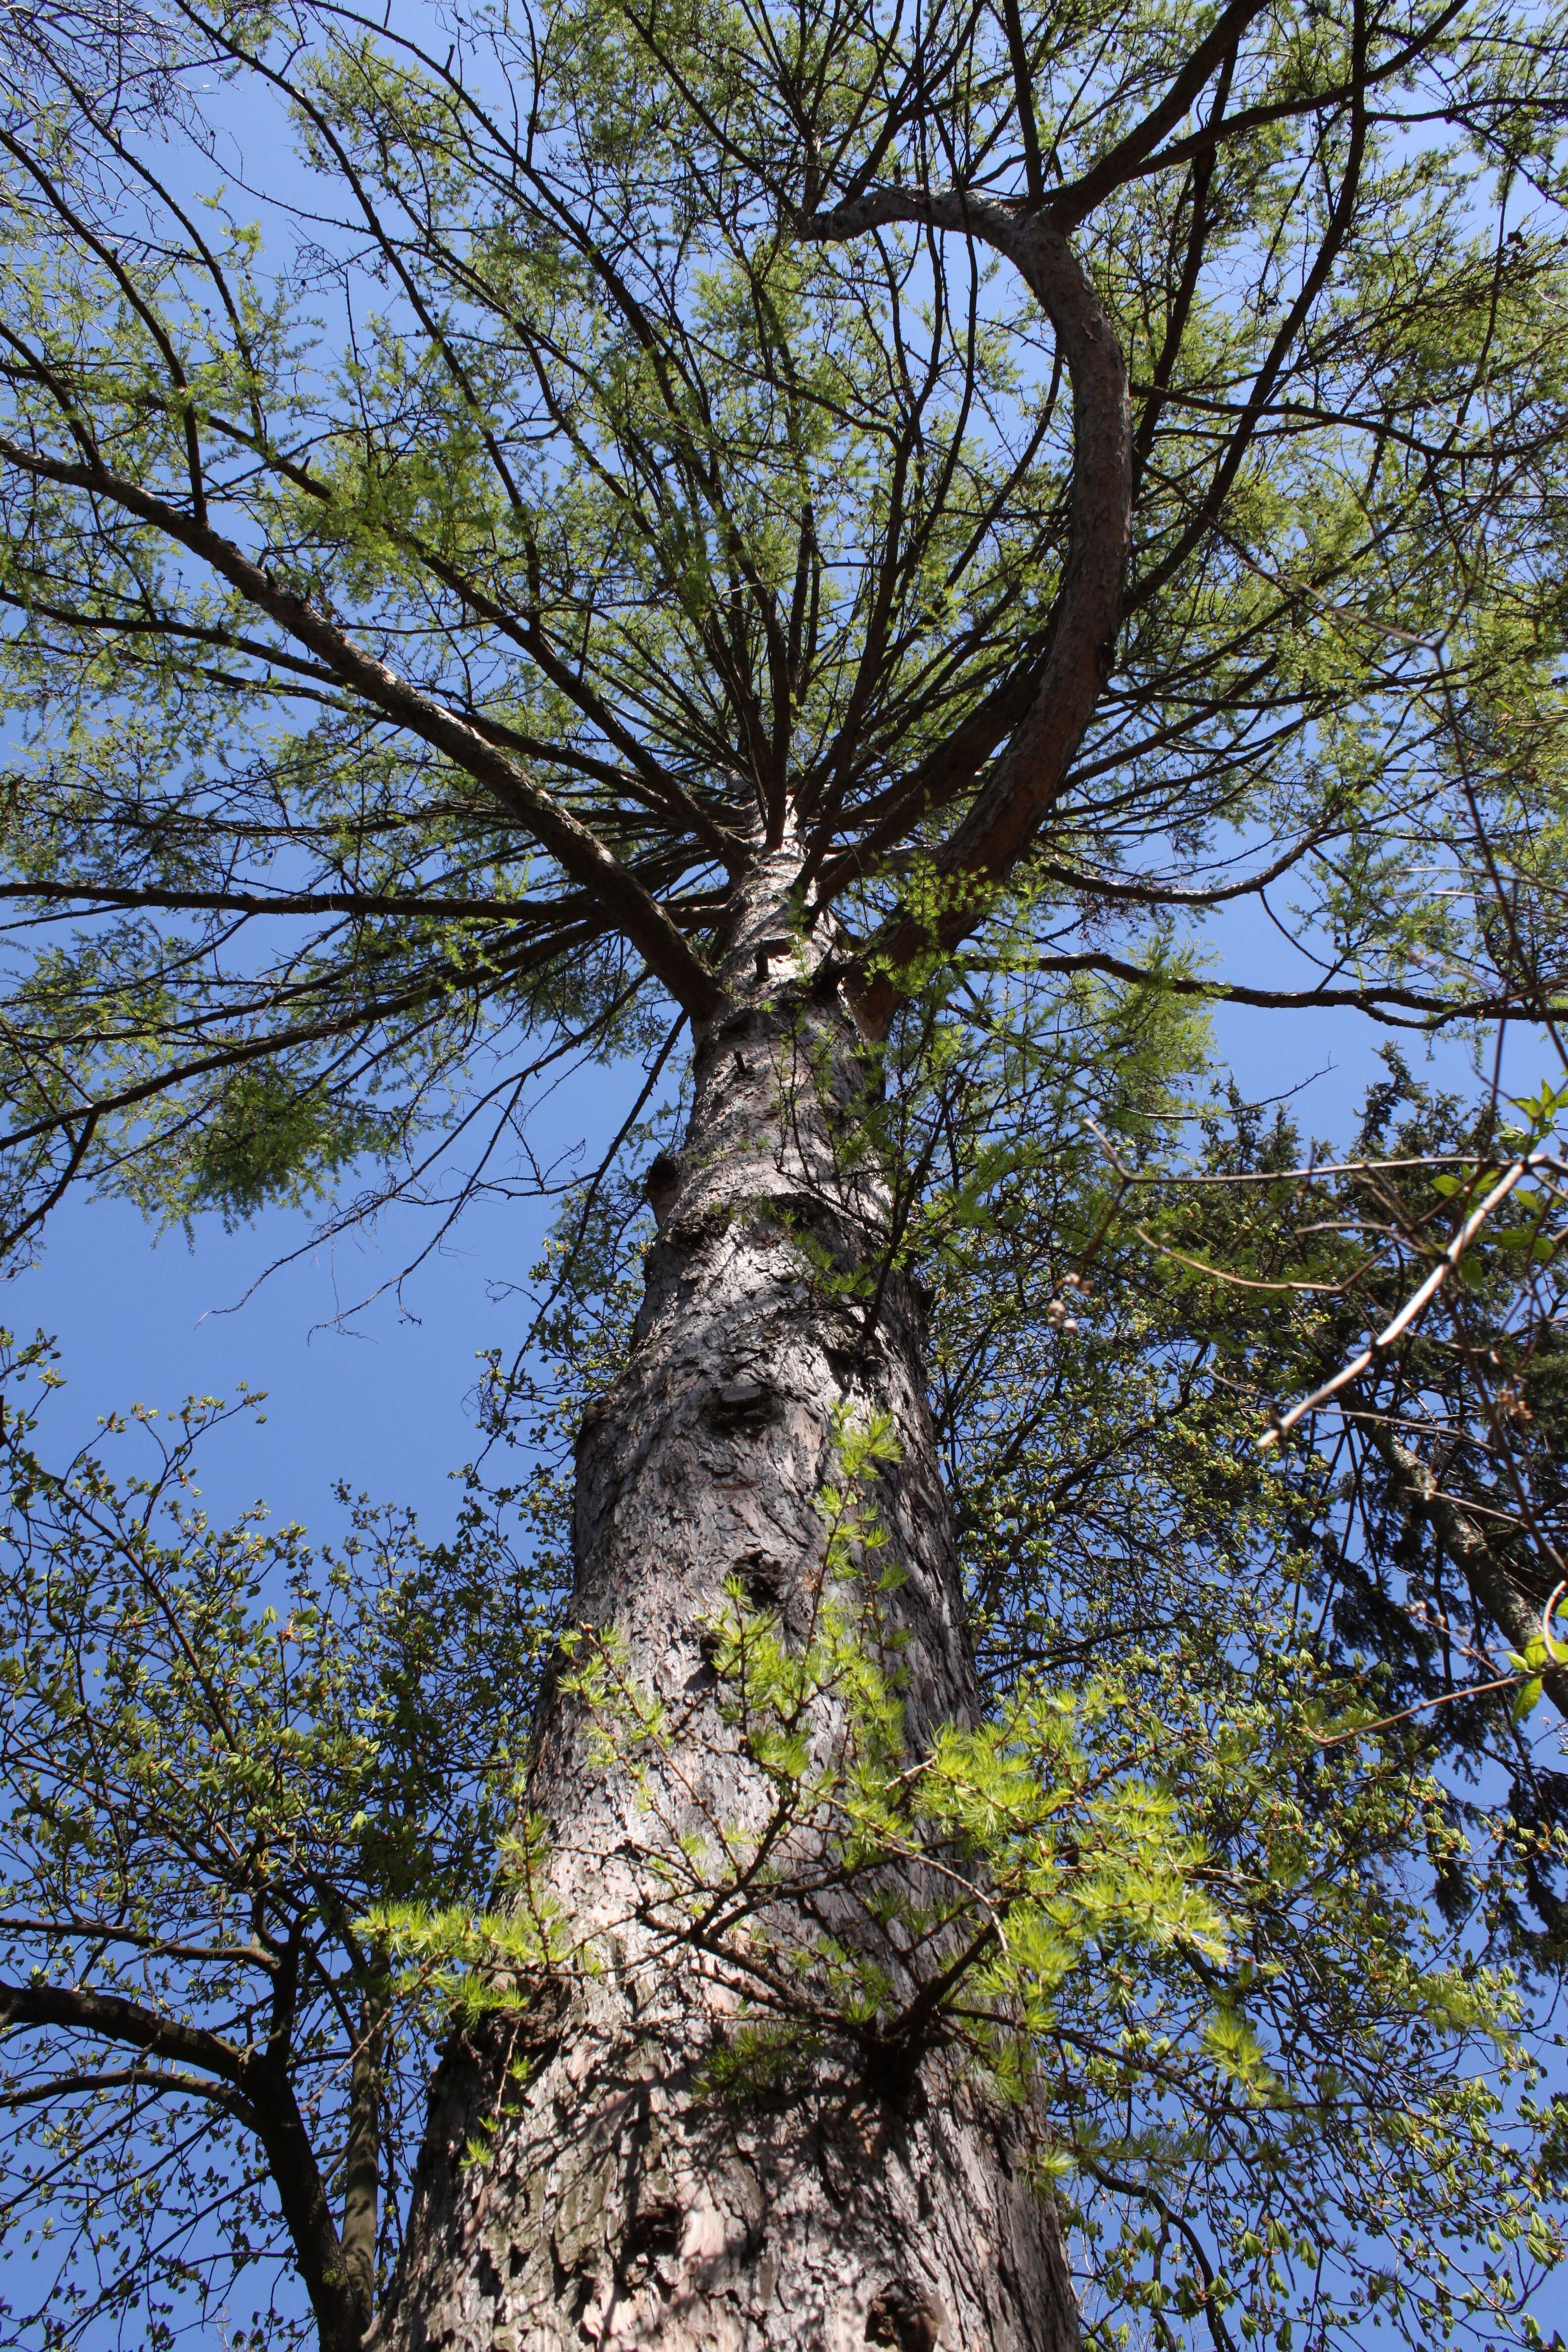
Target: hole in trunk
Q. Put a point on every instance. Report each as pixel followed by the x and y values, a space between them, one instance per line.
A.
pixel 662 1182
pixel 764 1577
pixel 652 2232
pixel 742 1405
pixel 900 2315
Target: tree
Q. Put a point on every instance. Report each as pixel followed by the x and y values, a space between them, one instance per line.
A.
pixel 833 534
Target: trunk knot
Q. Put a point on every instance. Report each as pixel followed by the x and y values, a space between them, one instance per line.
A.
pixel 662 1182
pixel 741 1404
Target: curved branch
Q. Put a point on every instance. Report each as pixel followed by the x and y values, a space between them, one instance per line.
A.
pixel 256 2088
pixel 1027 780
pixel 172 2079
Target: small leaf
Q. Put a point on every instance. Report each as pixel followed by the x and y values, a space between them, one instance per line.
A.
pixel 1525 1698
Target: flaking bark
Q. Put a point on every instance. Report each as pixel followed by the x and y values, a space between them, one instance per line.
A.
pixel 621 2200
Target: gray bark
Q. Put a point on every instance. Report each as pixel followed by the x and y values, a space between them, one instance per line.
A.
pixel 623 2201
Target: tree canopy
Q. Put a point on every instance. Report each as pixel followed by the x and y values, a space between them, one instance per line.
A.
pixel 430 562
pixel 473 482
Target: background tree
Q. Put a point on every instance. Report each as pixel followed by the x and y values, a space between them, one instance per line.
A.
pixel 836 532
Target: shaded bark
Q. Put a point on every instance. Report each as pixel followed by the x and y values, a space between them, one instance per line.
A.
pixel 361 2160
pixel 621 2200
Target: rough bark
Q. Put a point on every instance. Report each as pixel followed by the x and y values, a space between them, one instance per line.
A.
pixel 623 2201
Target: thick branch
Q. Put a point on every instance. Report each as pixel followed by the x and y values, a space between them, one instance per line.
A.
pixel 336 2299
pixel 258 2090
pixel 1317 278
pixel 577 850
pixel 1027 780
pixel 112 2018
pixel 362 2163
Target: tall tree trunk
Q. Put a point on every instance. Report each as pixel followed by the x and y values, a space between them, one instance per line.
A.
pixel 621 2200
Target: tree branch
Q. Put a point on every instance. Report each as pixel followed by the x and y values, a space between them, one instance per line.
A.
pixel 1417 1490
pixel 112 2018
pixel 1073 204
pixel 1027 780
pixel 261 2094
pixel 129 2078
pixel 576 849
pixel 1377 1002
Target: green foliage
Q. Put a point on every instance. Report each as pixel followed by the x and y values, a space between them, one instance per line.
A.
pixel 1256 1856
pixel 1272 1967
pixel 1116 1507
pixel 1170 1886
pixel 685 513
pixel 1233 1656
pixel 456 1962
pixel 268 1141
pixel 225 1761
